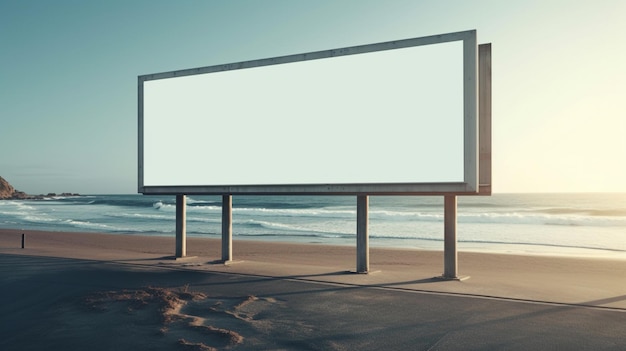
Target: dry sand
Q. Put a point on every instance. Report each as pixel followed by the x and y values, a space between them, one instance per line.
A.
pixel 109 292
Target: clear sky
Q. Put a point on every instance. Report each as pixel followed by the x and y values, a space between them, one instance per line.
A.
pixel 68 78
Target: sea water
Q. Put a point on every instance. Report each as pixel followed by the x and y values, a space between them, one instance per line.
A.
pixel 551 224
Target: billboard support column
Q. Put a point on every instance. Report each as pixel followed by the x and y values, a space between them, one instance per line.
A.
pixel 362 235
pixel 181 226
pixel 227 228
pixel 449 249
pixel 450 269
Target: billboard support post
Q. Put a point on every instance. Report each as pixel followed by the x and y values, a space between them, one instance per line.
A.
pixel 449 250
pixel 227 228
pixel 450 267
pixel 181 226
pixel 362 235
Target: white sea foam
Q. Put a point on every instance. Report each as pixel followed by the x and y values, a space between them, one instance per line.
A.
pixel 328 231
pixel 536 218
pixel 521 217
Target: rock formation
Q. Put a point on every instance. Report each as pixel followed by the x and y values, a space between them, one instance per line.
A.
pixel 7 191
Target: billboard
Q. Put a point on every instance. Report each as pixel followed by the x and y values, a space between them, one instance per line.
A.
pixel 397 117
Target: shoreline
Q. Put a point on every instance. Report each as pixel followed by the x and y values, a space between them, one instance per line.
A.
pixel 204 246
pixel 515 249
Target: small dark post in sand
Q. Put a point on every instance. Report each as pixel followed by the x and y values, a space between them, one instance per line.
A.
pixel 23 239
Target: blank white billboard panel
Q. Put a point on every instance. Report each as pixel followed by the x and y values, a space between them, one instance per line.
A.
pixel 364 122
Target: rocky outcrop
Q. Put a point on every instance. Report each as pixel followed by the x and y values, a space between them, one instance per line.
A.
pixel 7 191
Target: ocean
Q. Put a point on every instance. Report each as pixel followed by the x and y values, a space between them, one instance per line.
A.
pixel 542 224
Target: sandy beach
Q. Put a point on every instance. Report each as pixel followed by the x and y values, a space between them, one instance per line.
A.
pixel 77 291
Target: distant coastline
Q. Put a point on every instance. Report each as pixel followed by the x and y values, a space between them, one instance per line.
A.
pixel 8 192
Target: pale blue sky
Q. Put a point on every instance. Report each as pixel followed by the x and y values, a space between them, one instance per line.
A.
pixel 68 78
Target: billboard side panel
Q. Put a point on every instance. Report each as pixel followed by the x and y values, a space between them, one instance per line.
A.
pixel 484 101
pixel 470 111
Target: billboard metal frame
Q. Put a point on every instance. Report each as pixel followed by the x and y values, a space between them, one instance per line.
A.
pixel 471 178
